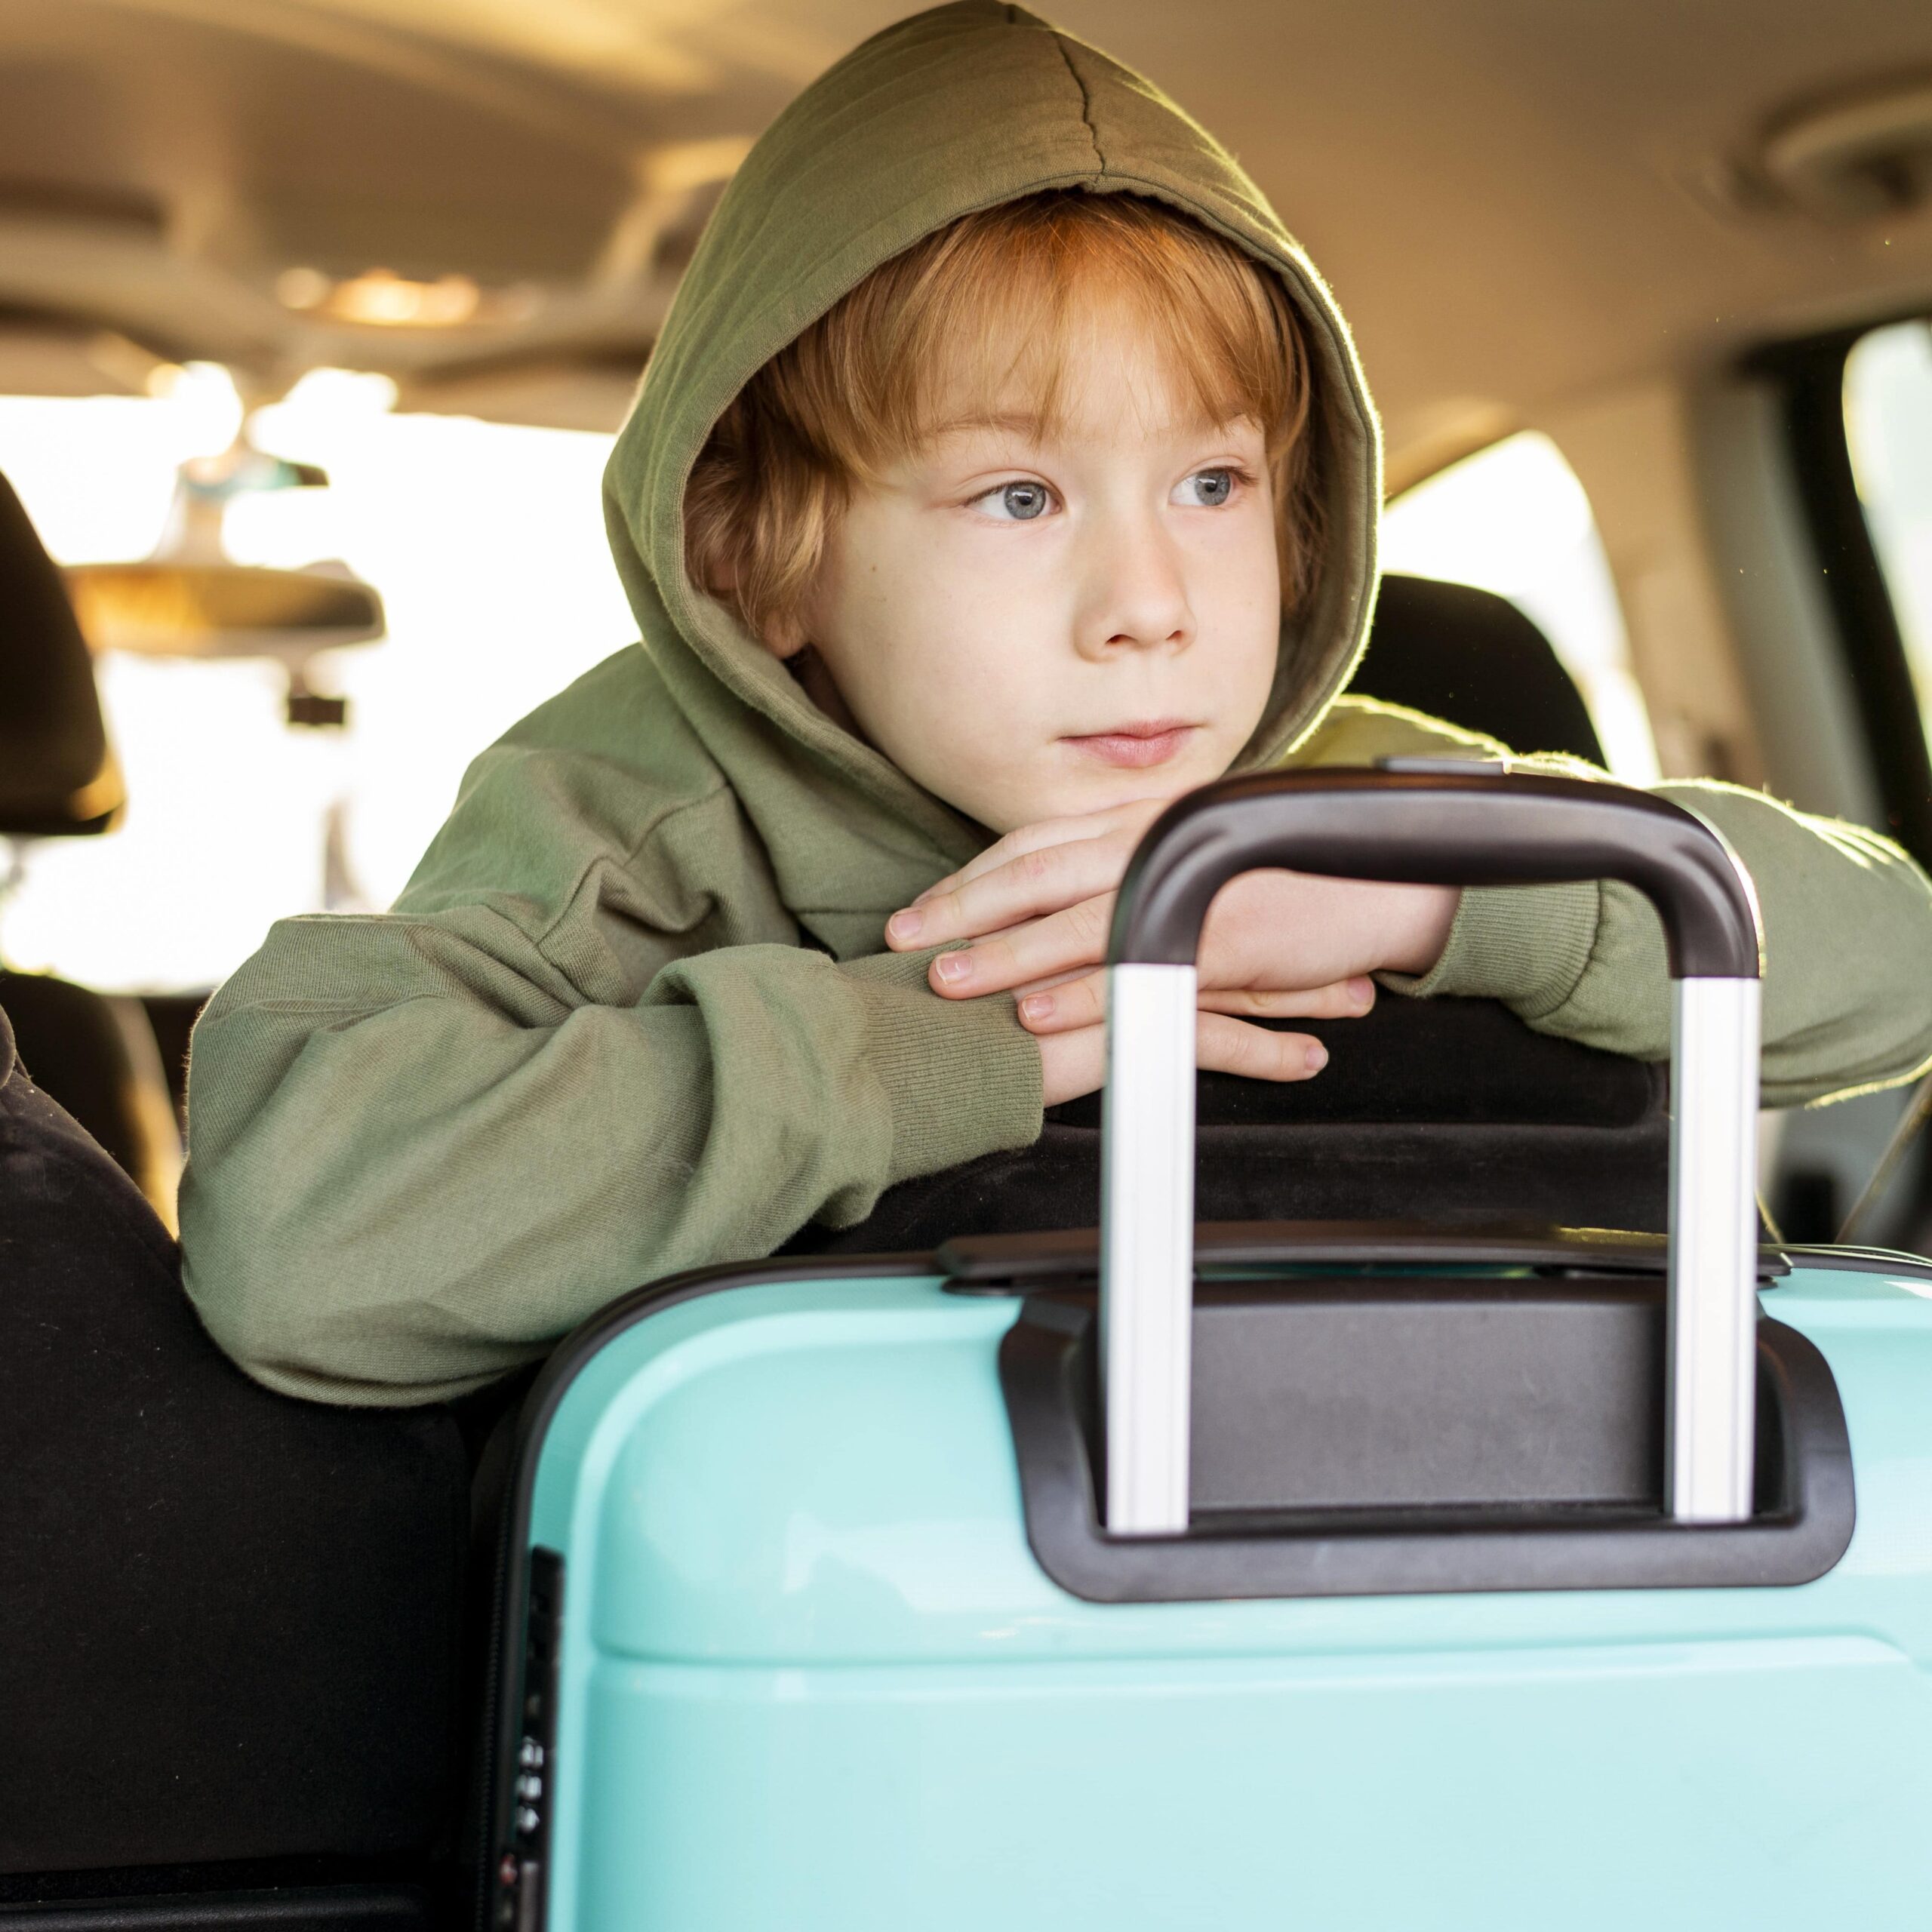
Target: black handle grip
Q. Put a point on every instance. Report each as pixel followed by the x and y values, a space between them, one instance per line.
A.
pixel 1438 828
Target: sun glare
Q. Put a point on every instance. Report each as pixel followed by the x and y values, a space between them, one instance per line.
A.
pixel 1515 519
pixel 487 544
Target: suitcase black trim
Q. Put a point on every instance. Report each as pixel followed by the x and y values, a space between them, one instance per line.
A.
pixel 1807 1507
pixel 1860 1260
pixel 1004 1264
pixel 362 1908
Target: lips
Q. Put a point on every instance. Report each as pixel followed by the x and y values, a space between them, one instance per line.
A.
pixel 1136 745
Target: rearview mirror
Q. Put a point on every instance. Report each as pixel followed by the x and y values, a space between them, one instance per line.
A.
pixel 221 610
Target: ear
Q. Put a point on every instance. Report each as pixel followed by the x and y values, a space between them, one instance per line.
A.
pixel 784 636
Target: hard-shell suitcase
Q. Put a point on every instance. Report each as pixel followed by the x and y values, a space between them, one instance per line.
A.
pixel 1318 1575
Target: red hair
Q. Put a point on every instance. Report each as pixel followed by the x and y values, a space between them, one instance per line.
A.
pixel 990 300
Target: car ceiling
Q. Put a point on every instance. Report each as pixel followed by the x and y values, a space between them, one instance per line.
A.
pixel 1520 204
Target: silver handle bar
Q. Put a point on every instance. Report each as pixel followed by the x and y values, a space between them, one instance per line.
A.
pixel 1433 827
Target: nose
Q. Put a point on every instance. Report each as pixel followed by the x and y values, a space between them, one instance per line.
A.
pixel 1136 591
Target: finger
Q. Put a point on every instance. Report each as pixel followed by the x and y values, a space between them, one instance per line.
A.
pixel 1059 1009
pixel 1050 980
pixel 1231 1046
pixel 1033 886
pixel 1016 845
pixel 1075 936
pixel 1139 814
pixel 1072 1064
pixel 1081 1000
pixel 1026 838
pixel 1029 886
pixel 1346 999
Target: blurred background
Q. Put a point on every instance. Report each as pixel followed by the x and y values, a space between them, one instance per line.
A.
pixel 360 289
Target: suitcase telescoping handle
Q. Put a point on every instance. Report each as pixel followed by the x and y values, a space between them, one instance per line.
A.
pixel 1428 826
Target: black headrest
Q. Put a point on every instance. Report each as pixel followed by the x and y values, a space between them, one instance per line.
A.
pixel 1473 658
pixel 56 773
pixel 1448 1111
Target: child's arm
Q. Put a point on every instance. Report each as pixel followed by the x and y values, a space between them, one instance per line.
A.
pixel 1847 917
pixel 1847 920
pixel 424 1146
pixel 1847 923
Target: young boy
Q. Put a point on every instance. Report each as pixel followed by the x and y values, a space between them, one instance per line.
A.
pixel 1003 471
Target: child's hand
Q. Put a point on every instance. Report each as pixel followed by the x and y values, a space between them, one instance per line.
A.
pixel 1074 1060
pixel 1277 945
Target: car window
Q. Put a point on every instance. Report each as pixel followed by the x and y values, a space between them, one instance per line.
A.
pixel 487 544
pixel 1514 518
pixel 486 541
pixel 1888 424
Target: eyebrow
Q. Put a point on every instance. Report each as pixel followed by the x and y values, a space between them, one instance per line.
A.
pixel 1032 424
pixel 1024 423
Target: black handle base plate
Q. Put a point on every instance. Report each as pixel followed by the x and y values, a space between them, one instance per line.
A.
pixel 1589 1517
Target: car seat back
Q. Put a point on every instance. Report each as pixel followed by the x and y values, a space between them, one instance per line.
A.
pixel 232 1618
pixel 1447 1110
pixel 1471 657
pixel 58 778
pixel 57 773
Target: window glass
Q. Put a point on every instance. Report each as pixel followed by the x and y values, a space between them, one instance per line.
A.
pixel 1888 423
pixel 487 544
pixel 1515 519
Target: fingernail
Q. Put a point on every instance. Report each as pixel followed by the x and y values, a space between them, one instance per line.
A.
pixel 1362 992
pixel 904 925
pixel 953 966
pixel 1037 1006
pixel 1316 1057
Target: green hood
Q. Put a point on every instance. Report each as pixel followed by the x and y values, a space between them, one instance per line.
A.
pixel 958 109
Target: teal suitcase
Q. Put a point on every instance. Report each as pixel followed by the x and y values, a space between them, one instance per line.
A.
pixel 1335 1575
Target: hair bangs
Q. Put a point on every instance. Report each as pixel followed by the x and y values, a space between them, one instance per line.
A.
pixel 987 318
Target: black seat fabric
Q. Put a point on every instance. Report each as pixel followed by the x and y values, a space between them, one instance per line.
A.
pixel 57 774
pixel 97 1058
pixel 1450 1111
pixel 1473 658
pixel 58 778
pixel 231 1620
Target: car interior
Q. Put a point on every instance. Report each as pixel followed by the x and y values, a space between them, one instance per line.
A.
pixel 316 319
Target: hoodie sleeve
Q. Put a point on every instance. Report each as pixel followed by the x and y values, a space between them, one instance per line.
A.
pixel 1847 926
pixel 424 1145
pixel 1847 923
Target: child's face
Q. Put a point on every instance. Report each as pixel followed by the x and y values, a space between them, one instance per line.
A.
pixel 1035 628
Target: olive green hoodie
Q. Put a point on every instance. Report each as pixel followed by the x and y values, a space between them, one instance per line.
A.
pixel 631 1014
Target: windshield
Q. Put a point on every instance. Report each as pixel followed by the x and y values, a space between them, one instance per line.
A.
pixel 487 544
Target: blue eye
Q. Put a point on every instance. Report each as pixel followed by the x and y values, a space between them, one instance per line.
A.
pixel 1019 503
pixel 1207 489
